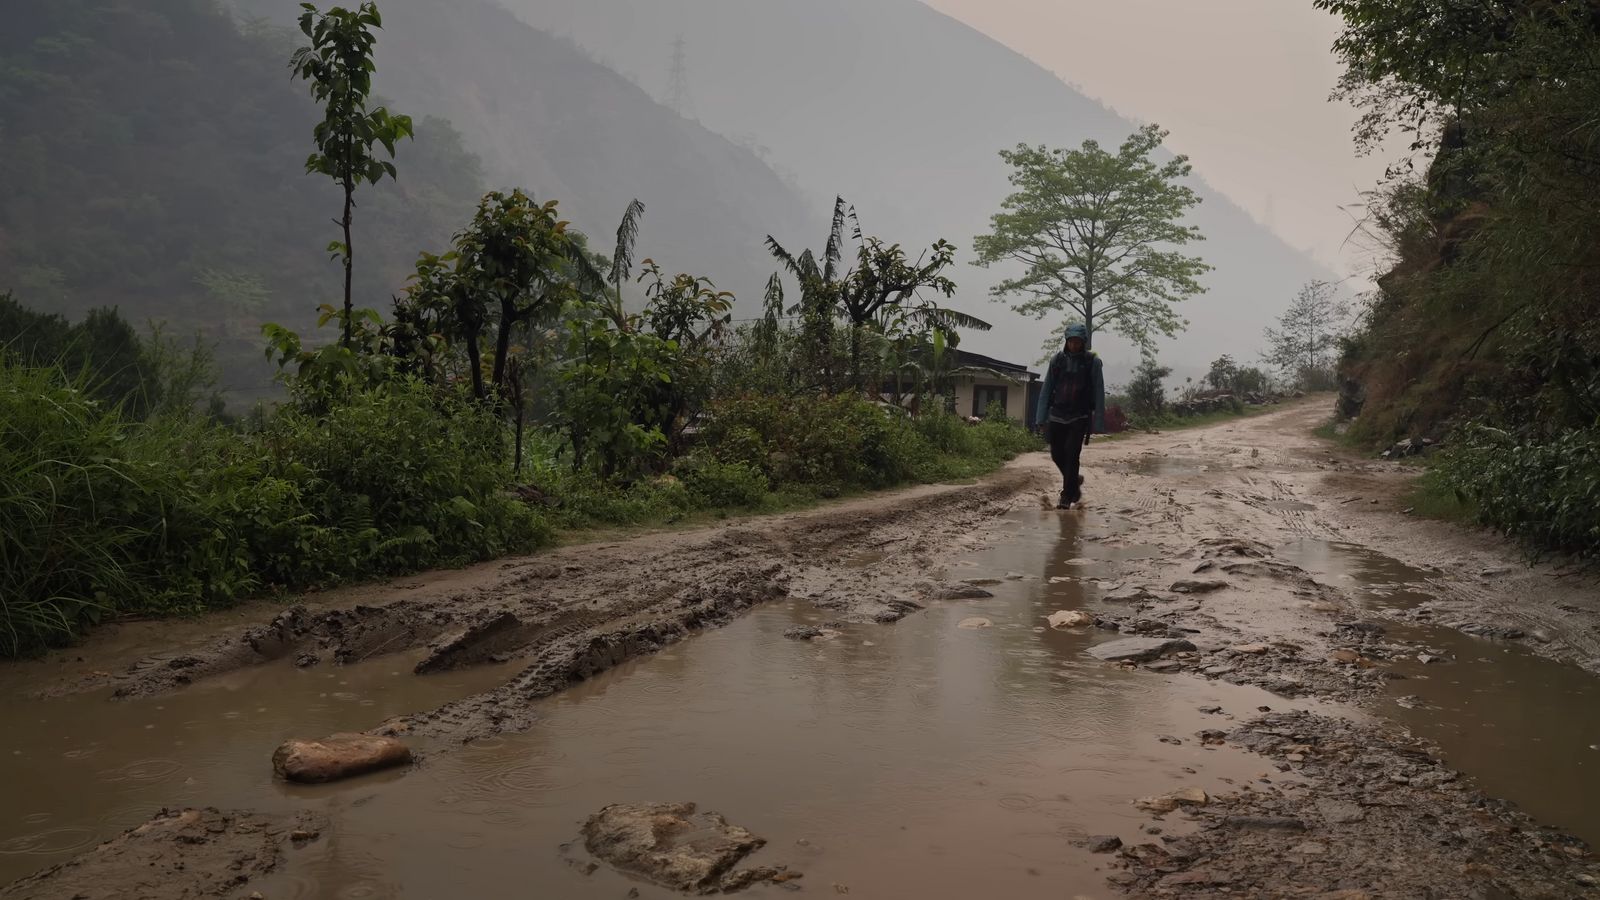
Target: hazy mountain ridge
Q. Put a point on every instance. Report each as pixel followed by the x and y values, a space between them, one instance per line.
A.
pixel 547 117
pixel 904 110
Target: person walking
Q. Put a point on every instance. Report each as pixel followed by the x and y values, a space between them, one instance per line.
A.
pixel 1072 408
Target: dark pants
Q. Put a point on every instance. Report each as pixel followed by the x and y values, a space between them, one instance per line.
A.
pixel 1066 446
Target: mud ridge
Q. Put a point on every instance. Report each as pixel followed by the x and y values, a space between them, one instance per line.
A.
pixel 179 853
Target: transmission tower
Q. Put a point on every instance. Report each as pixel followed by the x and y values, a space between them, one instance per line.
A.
pixel 678 99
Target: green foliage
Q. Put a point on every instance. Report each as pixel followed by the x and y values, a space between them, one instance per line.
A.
pixel 879 293
pixel 722 485
pixel 1097 233
pixel 1545 493
pixel 517 265
pixel 104 515
pixel 103 349
pixel 1146 394
pixel 609 396
pixel 1487 314
pixel 837 444
pixel 339 67
pixel 1307 334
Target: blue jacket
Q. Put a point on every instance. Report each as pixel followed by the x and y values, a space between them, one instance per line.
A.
pixel 1064 363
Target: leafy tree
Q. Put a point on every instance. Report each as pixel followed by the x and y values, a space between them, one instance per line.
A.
pixel 607 395
pixel 515 266
pixel 102 353
pixel 1415 64
pixel 1308 332
pixel 339 66
pixel 883 280
pixel 1224 373
pixel 1147 395
pixel 691 317
pixel 1098 234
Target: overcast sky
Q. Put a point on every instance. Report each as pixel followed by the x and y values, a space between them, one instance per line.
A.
pixel 1241 84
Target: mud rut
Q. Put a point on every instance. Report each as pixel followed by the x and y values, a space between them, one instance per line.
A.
pixel 1219 505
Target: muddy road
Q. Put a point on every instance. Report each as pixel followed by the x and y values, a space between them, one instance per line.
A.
pixel 1242 671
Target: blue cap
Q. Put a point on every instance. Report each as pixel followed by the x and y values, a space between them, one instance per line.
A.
pixel 1078 331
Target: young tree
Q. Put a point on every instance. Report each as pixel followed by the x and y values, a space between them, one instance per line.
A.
pixel 622 259
pixel 516 264
pixel 1097 234
pixel 1302 344
pixel 1224 373
pixel 339 66
pixel 1147 395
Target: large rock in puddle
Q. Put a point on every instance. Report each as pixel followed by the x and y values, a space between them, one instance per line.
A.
pixel 676 847
pixel 336 757
pixel 1138 649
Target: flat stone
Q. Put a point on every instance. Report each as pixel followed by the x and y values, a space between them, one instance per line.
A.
pixel 1138 649
pixel 1070 618
pixel 1168 802
pixel 1128 595
pixel 1250 649
pixel 974 623
pixel 336 757
pixel 1191 586
pixel 676 847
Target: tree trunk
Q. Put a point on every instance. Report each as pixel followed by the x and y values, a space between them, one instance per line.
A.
pixel 1088 310
pixel 349 259
pixel 475 362
pixel 502 346
pixel 856 374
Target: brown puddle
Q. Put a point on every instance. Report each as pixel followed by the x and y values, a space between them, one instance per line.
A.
pixel 917 759
pixel 1525 727
pixel 80 769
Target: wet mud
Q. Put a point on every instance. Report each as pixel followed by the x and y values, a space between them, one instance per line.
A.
pixel 1377 816
pixel 177 854
pixel 1226 677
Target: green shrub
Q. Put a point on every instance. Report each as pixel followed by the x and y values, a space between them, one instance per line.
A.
pixel 722 485
pixel 1542 491
pixel 81 516
pixel 100 515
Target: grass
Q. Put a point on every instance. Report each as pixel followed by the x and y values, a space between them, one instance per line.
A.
pixel 1428 499
pixel 1184 423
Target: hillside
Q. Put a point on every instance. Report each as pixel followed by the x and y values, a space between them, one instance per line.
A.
pixel 545 116
pixel 154 160
pixel 904 110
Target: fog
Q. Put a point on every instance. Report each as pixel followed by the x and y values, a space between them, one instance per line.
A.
pixel 777 107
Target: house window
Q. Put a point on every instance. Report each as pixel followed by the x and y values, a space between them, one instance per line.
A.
pixel 985 394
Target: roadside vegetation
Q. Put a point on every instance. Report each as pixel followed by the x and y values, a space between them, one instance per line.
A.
pixel 1482 333
pixel 508 394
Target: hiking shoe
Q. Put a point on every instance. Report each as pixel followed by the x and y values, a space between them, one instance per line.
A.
pixel 1064 502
